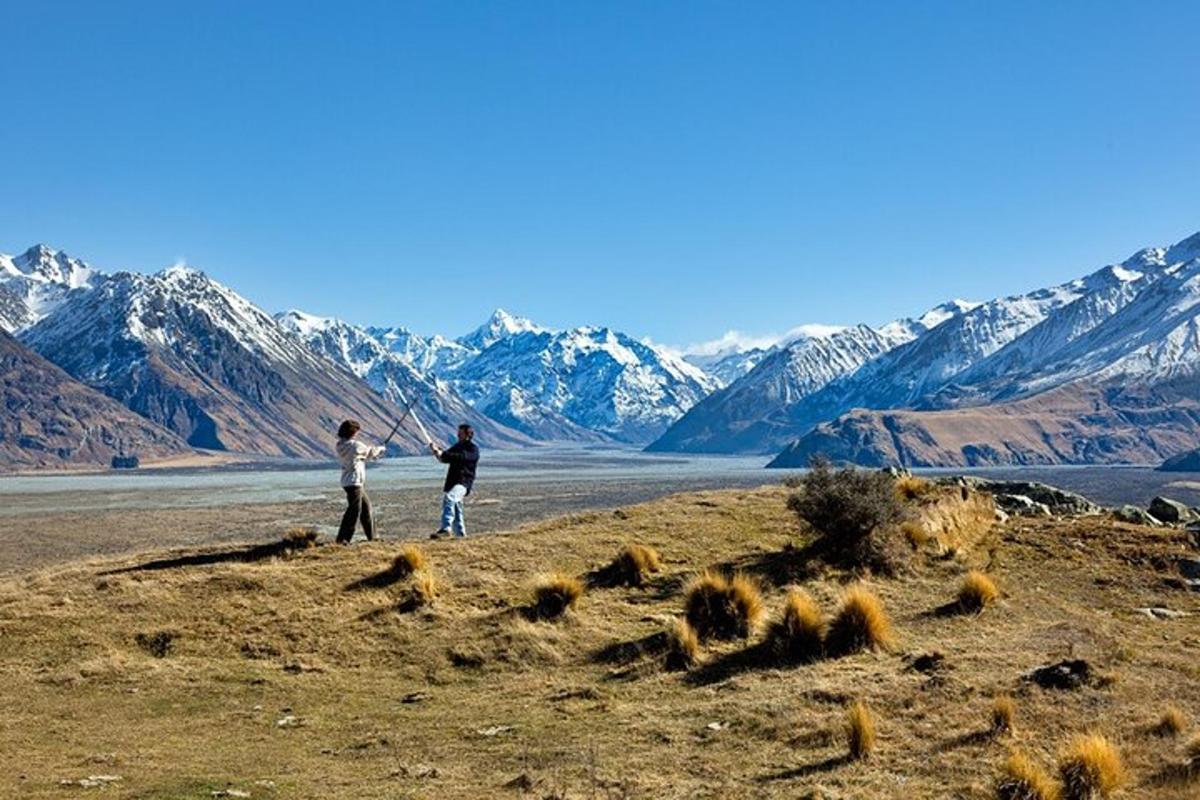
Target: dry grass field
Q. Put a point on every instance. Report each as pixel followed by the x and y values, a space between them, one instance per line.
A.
pixel 334 673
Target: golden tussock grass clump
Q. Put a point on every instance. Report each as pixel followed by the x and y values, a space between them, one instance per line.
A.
pixel 1172 723
pixel 683 646
pixel 555 595
pixel 723 608
pixel 421 593
pixel 299 538
pixel 1090 767
pixel 1004 713
pixel 799 635
pixel 910 487
pixel 860 730
pixel 860 624
pixel 915 534
pixel 1022 778
pixel 411 559
pixel 634 563
pixel 976 592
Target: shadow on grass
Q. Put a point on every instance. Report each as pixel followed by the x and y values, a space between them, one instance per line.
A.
pixel 782 567
pixel 380 580
pixel 965 740
pixel 654 644
pixel 807 770
pixel 242 555
pixel 1175 775
pixel 764 655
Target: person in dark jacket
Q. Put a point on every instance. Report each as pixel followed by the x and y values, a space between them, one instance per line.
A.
pixel 462 458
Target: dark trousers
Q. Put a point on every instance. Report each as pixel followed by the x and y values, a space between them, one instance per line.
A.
pixel 358 509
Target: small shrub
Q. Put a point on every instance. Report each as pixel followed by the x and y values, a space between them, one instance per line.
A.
pixel 853 511
pixel 914 533
pixel 860 730
pixel 556 594
pixel 1171 723
pixel 860 624
pixel 799 635
pixel 683 646
pixel 634 563
pixel 977 592
pixel 910 487
pixel 411 559
pixel 1023 779
pixel 722 608
pixel 1004 712
pixel 1090 767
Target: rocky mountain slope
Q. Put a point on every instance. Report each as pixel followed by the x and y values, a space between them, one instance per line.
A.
pixel 755 412
pixel 1110 363
pixel 50 419
pixel 391 374
pixel 192 355
pixel 586 384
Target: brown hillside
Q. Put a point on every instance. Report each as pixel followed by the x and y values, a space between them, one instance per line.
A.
pixel 328 674
pixel 50 419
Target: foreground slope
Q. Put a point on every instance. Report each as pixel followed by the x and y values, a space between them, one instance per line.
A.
pixel 50 419
pixel 304 677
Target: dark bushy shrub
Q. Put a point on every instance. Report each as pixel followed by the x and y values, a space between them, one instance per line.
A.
pixel 855 512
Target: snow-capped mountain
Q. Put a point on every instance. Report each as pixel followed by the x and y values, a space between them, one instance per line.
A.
pixel 440 407
pixel 34 283
pixel 432 356
pixel 752 413
pixel 1109 370
pixel 588 384
pixel 499 326
pixel 729 365
pixel 194 356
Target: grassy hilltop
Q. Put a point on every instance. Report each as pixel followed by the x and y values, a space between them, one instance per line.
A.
pixel 306 672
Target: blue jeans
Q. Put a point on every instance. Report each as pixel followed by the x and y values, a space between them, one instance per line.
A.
pixel 452 510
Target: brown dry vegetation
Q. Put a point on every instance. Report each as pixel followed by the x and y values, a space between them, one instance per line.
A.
pixel 860 731
pixel 1004 714
pixel 297 671
pixel 976 592
pixel 1090 768
pixel 1022 778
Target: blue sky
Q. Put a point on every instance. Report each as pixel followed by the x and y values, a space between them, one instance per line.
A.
pixel 671 169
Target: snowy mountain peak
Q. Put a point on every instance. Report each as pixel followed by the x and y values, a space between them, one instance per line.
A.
pixel 939 314
pixel 500 325
pixel 45 264
pixel 303 323
pixel 905 330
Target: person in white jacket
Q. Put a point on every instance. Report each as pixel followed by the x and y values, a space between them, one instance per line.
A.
pixel 353 456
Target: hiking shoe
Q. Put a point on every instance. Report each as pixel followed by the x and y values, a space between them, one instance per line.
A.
pixel 442 534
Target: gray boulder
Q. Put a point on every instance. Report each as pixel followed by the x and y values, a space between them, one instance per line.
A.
pixel 1136 516
pixel 1170 511
pixel 1022 505
pixel 1189 568
pixel 1060 502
